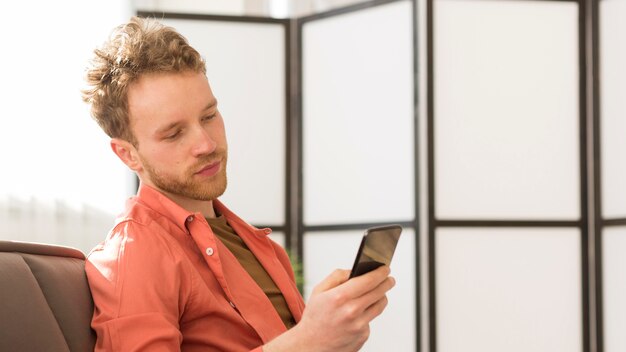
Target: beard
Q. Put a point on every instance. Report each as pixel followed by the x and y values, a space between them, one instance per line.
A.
pixel 187 185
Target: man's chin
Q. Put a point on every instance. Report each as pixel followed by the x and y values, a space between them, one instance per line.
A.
pixel 196 190
pixel 209 193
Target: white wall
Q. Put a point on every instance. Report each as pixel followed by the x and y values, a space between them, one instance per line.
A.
pixel 58 167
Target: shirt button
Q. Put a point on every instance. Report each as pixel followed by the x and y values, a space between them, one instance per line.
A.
pixel 190 218
pixel 209 251
pixel 232 304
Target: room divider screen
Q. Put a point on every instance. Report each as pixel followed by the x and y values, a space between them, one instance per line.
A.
pixel 508 186
pixel 246 61
pixel 526 175
pixel 321 120
pixel 610 172
pixel 359 150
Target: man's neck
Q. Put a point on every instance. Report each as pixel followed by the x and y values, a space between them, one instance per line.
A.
pixel 205 207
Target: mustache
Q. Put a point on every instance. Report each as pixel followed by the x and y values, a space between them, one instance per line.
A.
pixel 204 160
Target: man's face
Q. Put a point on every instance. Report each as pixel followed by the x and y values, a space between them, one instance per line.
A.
pixel 181 142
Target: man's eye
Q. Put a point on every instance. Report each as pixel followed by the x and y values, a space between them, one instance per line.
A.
pixel 173 135
pixel 208 117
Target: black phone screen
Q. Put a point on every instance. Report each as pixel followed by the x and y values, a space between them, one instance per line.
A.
pixel 376 249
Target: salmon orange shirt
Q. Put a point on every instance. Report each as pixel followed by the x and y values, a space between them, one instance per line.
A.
pixel 162 281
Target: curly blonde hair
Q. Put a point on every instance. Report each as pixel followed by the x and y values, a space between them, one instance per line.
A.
pixel 141 46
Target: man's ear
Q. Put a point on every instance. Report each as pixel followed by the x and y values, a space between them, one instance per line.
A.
pixel 127 153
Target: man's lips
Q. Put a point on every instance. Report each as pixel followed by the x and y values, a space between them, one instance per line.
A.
pixel 210 169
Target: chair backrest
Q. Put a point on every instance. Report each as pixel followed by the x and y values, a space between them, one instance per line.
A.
pixel 45 302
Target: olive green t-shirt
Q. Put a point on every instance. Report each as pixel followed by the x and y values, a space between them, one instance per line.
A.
pixel 246 258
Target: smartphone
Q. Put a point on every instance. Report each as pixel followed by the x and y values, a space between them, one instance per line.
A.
pixel 377 247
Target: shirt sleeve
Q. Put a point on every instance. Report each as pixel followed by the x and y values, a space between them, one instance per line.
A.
pixel 139 292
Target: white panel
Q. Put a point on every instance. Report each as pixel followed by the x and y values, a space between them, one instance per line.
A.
pixel 394 330
pixel 506 109
pixel 613 106
pixel 278 237
pixel 614 288
pixel 251 96
pixel 358 116
pixel 514 290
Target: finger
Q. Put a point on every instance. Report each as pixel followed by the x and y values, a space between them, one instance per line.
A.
pixel 375 294
pixel 335 279
pixel 375 309
pixel 363 284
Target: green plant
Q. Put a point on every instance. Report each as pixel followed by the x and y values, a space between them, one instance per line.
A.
pixel 296 265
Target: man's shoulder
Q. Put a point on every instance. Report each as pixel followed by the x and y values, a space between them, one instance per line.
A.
pixel 137 211
pixel 134 249
pixel 140 233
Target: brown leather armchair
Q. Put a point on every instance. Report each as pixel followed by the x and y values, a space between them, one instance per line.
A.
pixel 45 302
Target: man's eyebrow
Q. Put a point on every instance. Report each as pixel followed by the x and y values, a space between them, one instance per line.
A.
pixel 212 103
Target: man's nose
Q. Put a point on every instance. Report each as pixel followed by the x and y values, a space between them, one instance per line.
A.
pixel 203 142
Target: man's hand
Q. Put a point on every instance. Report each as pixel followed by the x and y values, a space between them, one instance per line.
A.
pixel 338 313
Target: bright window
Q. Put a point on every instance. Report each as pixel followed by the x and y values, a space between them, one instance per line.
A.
pixel 60 182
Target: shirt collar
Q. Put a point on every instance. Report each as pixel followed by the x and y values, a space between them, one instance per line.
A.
pixel 179 215
pixel 163 205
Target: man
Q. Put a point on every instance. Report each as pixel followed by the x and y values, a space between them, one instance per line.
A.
pixel 179 270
